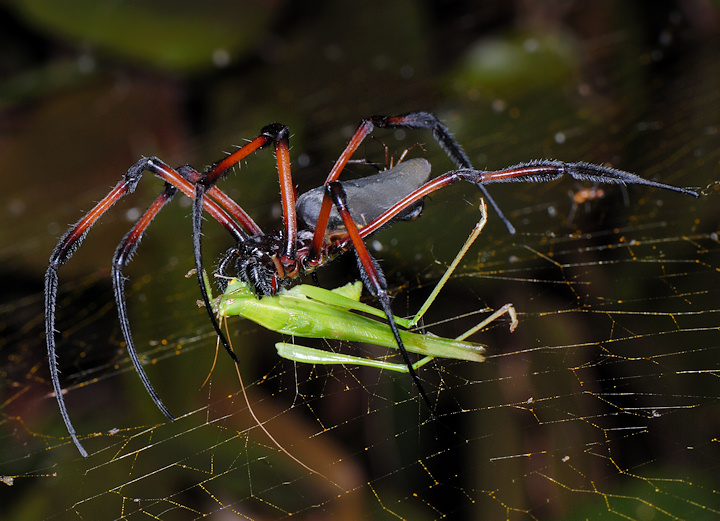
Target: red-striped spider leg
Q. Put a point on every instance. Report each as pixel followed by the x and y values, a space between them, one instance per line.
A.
pixel 74 237
pixel 373 278
pixel 278 135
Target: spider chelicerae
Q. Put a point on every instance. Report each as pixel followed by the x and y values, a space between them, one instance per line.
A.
pixel 318 226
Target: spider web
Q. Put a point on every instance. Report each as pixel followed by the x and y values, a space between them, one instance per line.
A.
pixel 603 403
pixel 603 400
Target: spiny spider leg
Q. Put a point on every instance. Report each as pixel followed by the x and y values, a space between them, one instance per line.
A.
pixel 73 238
pixel 124 252
pixel 427 120
pixel 197 252
pixel 373 278
pixel 194 176
pixel 127 249
pixel 533 171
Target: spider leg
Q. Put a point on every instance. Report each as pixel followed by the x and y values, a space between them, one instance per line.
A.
pixel 373 278
pixel 428 121
pixel 550 169
pixel 533 171
pixel 279 135
pixel 287 191
pixel 223 268
pixel 219 169
pixel 61 254
pixel 51 284
pixel 73 239
pixel 123 254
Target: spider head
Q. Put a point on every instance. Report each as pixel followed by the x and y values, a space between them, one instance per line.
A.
pixel 254 263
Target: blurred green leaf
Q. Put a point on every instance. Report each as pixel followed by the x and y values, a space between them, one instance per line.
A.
pixel 180 36
pixel 515 63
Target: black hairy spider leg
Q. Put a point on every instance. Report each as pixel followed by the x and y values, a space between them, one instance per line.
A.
pixel 373 278
pixel 550 169
pixel 51 285
pixel 197 218
pixel 223 266
pixel 428 121
pixel 124 252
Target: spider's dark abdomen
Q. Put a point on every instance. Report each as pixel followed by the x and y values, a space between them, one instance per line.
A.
pixel 368 197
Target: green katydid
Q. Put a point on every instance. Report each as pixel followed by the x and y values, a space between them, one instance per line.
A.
pixel 312 312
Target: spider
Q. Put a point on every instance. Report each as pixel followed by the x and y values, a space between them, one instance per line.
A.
pixel 317 226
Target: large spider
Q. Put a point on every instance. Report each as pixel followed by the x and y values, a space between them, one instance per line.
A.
pixel 337 217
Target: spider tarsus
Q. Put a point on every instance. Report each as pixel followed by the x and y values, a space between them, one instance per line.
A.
pixel 384 298
pixel 543 170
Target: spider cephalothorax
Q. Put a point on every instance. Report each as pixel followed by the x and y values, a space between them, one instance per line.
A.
pixel 256 263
